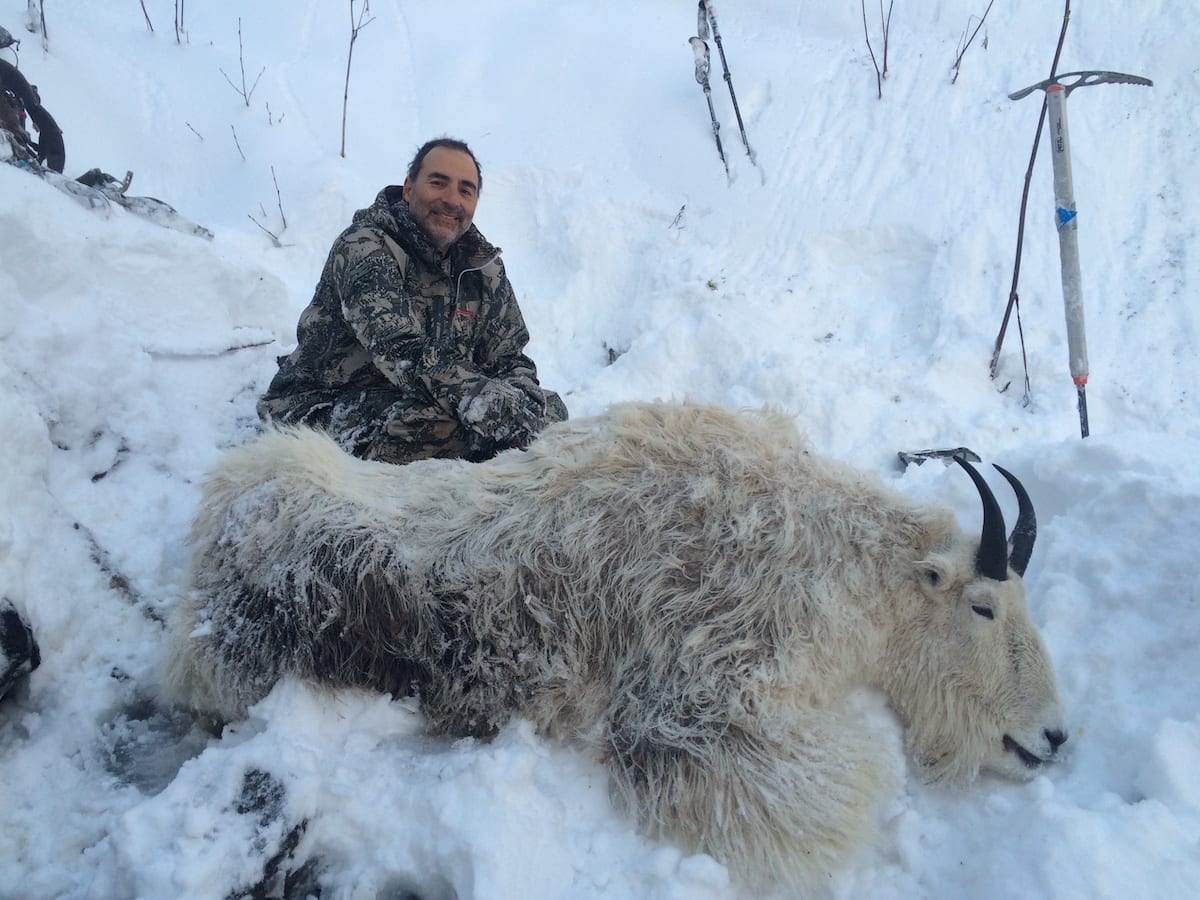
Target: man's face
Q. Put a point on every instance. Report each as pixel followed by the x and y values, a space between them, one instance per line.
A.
pixel 443 195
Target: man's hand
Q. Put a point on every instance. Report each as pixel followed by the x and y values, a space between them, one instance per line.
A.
pixel 503 412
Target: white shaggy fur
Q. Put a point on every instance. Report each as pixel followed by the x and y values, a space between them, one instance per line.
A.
pixel 690 591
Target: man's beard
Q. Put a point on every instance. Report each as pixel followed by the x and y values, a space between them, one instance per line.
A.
pixel 450 222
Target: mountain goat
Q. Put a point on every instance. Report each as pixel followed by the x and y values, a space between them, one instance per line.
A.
pixel 691 592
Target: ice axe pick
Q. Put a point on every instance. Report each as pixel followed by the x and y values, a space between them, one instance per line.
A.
pixel 1057 90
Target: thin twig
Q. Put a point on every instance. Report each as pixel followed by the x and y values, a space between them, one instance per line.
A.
pixel 236 141
pixel 147 15
pixel 242 64
pixel 279 200
pixel 355 28
pixel 867 36
pixel 274 239
pixel 886 24
pixel 958 59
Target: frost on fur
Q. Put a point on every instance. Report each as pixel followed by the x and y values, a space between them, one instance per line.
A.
pixel 689 591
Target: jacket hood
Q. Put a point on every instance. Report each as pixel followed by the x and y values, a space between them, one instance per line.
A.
pixel 390 212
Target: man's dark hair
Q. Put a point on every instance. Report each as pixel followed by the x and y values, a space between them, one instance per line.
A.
pixel 414 167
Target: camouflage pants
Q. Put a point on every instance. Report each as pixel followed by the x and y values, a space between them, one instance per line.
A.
pixel 374 425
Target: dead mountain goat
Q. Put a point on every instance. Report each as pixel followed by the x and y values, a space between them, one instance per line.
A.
pixel 691 592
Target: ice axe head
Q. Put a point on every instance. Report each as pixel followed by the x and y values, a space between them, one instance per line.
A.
pixel 1071 80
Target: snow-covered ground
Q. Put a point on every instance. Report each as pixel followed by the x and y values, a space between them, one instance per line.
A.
pixel 856 277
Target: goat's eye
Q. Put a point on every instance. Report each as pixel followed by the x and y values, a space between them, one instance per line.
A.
pixel 985 611
pixel 933 576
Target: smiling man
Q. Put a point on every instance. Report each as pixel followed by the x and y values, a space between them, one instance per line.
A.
pixel 413 344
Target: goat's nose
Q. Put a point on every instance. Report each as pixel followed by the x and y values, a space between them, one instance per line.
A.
pixel 1056 738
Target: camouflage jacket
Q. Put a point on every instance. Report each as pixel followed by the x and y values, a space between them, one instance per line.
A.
pixel 395 326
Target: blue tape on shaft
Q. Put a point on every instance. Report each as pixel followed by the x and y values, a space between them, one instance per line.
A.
pixel 1065 216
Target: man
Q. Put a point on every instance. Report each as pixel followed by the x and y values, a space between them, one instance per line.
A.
pixel 413 344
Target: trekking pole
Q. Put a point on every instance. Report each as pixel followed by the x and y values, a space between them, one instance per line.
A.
pixel 1066 215
pixel 706 15
pixel 701 50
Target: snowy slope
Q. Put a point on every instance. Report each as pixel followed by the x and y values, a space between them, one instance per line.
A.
pixel 856 277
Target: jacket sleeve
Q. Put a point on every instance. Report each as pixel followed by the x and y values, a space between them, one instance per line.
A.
pixel 502 349
pixel 506 334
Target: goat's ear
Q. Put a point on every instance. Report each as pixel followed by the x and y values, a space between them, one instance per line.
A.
pixel 933 575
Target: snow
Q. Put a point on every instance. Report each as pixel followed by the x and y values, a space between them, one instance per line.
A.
pixel 856 276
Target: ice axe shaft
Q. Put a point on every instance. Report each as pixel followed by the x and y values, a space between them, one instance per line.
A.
pixel 1066 219
pixel 1066 214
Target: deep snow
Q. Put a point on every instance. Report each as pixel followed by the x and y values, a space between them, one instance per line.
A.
pixel 855 277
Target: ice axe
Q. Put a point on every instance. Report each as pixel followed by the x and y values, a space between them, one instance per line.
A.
pixel 1057 90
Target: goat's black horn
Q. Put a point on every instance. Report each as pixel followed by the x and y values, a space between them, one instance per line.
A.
pixel 1024 533
pixel 992 559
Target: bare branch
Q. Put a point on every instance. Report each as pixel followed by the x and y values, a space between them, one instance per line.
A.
pixel 270 234
pixel 241 62
pixel 279 200
pixel 147 15
pixel 246 93
pixel 967 43
pixel 282 218
pixel 867 36
pixel 257 78
pixel 355 27
pixel 237 142
pixel 886 25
